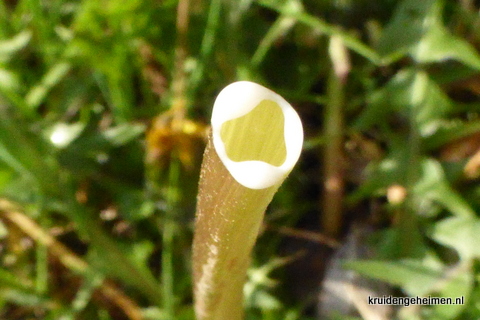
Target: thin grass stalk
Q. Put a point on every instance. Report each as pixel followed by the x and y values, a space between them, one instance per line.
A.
pixel 334 184
pixel 208 44
pixel 179 83
pixel 125 268
pixel 234 194
pixel 41 268
pixel 70 260
pixel 168 234
pixel 4 19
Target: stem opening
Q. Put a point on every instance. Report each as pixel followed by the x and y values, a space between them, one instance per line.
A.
pixel 258 135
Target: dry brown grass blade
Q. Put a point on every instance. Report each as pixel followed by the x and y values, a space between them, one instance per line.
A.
pixel 70 260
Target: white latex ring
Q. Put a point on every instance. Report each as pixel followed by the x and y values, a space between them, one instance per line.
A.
pixel 238 99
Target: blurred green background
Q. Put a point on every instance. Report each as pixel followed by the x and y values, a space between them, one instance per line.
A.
pixel 104 109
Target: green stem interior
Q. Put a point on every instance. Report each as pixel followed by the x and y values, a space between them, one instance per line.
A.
pixel 257 135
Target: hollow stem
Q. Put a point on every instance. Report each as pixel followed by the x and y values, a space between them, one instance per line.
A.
pixel 229 216
pixel 255 142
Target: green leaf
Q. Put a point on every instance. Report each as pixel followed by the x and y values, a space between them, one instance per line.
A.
pixel 430 187
pixel 415 277
pixel 282 26
pixel 404 241
pixel 460 233
pixel 119 262
pixel 133 203
pixel 38 93
pixel 6 176
pixel 434 186
pixel 8 48
pixel 417 29
pixel 14 157
pixel 414 95
pixel 123 133
pixel 23 298
pixel 292 10
pixel 8 279
pixel 62 134
pixel 9 80
pixel 405 29
pixel 438 44
pixel 449 131
pixel 459 284
pixel 473 308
